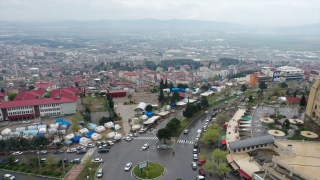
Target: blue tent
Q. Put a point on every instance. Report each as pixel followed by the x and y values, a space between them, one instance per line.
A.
pixel 65 123
pixel 181 89
pixel 30 132
pixel 76 139
pixel 149 114
pixel 175 89
pixel 89 134
pixel 91 126
pixel 59 120
pixel 40 135
pixel 173 105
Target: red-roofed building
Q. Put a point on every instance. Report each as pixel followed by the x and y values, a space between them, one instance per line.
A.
pixel 294 100
pixel 45 85
pixel 61 102
pixel 33 94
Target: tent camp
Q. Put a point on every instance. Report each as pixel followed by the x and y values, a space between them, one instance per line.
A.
pixel 108 124
pixel 84 141
pixel 99 129
pixel 96 136
pixel 76 139
pixel 83 131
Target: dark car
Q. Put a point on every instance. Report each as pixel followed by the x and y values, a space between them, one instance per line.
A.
pixel 75 161
pixel 103 150
pixel 81 151
pixel 58 151
pixel 65 160
pixel 162 147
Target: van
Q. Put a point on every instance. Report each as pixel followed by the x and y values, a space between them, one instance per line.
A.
pixel 199 131
pixel 99 173
pixel 162 147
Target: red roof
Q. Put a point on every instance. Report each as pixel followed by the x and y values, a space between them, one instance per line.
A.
pixel 65 92
pixel 183 95
pixel 294 100
pixel 33 94
pixel 3 94
pixel 44 85
pixel 244 174
pixel 34 102
pixel 223 141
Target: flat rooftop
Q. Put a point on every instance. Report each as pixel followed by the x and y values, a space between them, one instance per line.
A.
pixel 307 159
pixel 243 161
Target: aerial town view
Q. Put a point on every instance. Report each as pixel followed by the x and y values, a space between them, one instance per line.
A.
pixel 168 90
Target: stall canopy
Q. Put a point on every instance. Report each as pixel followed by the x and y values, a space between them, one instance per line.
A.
pixel 180 103
pixel 149 114
pixel 151 120
pixel 234 165
pixel 229 158
pixel 223 137
pixel 142 106
pixel 163 113
pixel 223 142
pixel 244 174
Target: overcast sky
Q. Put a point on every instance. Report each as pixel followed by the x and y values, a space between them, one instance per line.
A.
pixel 254 12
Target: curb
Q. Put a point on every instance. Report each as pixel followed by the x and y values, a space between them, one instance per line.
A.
pixel 164 172
pixel 32 174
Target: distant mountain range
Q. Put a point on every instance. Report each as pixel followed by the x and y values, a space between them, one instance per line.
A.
pixel 164 25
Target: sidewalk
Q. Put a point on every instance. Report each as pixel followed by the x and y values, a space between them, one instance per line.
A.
pixel 76 170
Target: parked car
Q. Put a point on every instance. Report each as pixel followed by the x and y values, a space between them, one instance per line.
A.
pixel 75 161
pixel 97 160
pixel 17 153
pixel 16 160
pixel 194 165
pixel 98 143
pixel 81 147
pixel 145 146
pixel 90 145
pixel 142 130
pixel 43 160
pixel 25 122
pixel 195 156
pixel 186 131
pixel 99 173
pixel 81 151
pixel 201 162
pixel 9 177
pixel 58 151
pixel 206 112
pixel 106 146
pixel 195 151
pixel 128 166
pixel 65 160
pixel 127 138
pixel 110 143
pixel 202 172
pixel 199 177
pixel 72 150
pixel 162 147
pixel 103 150
pixel 42 152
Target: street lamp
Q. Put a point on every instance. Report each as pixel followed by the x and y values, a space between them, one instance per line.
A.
pixel 38 155
pixel 148 156
pixel 90 172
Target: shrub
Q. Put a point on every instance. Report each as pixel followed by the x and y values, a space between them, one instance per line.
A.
pixel 44 173
pixel 57 174
pixel 23 169
pixel 36 172
pixel 28 171
pixel 8 167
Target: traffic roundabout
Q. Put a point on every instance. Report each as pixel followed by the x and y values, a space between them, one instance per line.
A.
pixel 148 170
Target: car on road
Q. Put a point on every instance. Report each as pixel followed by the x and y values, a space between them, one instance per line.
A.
pixel 110 143
pixel 16 160
pixel 195 151
pixel 206 124
pixel 65 160
pixel 202 172
pixel 58 151
pixel 103 150
pixel 201 162
pixel 186 131
pixel 128 166
pixel 195 145
pixel 90 145
pixel 145 146
pixel 206 112
pixel 17 153
pixel 195 156
pixel 25 122
pixel 97 160
pixel 198 135
pixel 226 102
pixel 9 176
pixel 81 151
pixel 43 160
pixel 81 147
pixel 75 161
pixel 127 138
pixel 199 131
pixel 42 152
pixel 106 146
pixel 72 150
pixel 199 177
pixel 208 120
pixel 194 165
pixel 99 173
pixel 142 131
pixel 197 140
pixel 162 147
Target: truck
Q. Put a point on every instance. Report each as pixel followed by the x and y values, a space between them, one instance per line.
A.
pixel 117 137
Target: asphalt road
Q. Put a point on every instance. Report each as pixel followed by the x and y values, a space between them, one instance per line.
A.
pixel 22 176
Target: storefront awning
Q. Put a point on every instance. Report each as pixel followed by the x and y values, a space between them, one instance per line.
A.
pixel 223 142
pixel 229 158
pixel 243 174
pixel 234 166
pixel 223 137
pixel 151 120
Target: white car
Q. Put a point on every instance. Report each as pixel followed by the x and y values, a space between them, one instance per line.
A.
pixel 145 146
pixel 97 160
pixel 195 156
pixel 206 112
pixel 72 150
pixel 18 153
pixel 207 121
pixel 42 152
pixel 9 176
pixel 185 131
pixel 90 145
pixel 110 143
pixel 25 122
pixel 128 166
pixel 199 177
pixel 127 138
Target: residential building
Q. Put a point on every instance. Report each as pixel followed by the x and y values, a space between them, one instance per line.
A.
pixel 312 115
pixel 257 77
pixel 289 73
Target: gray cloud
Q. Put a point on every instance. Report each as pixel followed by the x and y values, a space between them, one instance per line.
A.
pixel 255 12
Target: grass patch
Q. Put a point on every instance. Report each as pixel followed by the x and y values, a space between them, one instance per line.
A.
pixel 154 170
pixel 85 172
pixel 186 122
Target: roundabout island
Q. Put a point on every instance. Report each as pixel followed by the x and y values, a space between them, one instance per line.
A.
pixel 153 170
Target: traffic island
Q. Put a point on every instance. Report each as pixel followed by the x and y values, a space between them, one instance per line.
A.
pixel 148 170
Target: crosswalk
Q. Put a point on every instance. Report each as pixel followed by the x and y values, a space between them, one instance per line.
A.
pixel 155 138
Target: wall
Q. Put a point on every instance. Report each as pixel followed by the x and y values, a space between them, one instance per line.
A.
pixel 68 108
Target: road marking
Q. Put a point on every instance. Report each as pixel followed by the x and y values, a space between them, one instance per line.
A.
pixel 141 138
pixel 185 142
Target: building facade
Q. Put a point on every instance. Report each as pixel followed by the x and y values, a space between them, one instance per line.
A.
pixel 313 107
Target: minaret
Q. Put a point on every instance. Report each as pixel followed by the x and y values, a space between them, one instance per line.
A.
pixel 15 68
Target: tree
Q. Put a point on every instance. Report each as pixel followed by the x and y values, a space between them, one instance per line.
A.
pixel 210 136
pixel 2 90
pixel 40 141
pixel 209 166
pixel 149 108
pixel 295 93
pixel 129 97
pixel 303 101
pixel 176 96
pixel 244 87
pixel 12 95
pixel 176 121
pixel 235 104
pixel 105 120
pixel 204 88
pixel 219 155
pixel 164 134
pixel 283 85
pixel 222 118
pixel 263 85
pixel 222 169
pixel 75 120
pixel 87 116
pixel 51 159
pixel 76 84
pixel 161 96
pixel 161 84
pixel 165 84
pixel 170 85
pixel 172 126
pixel 204 102
pixel 250 98
pixel 194 108
pixel 188 113
pixel 87 110
pixel 31 87
pixel 111 103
